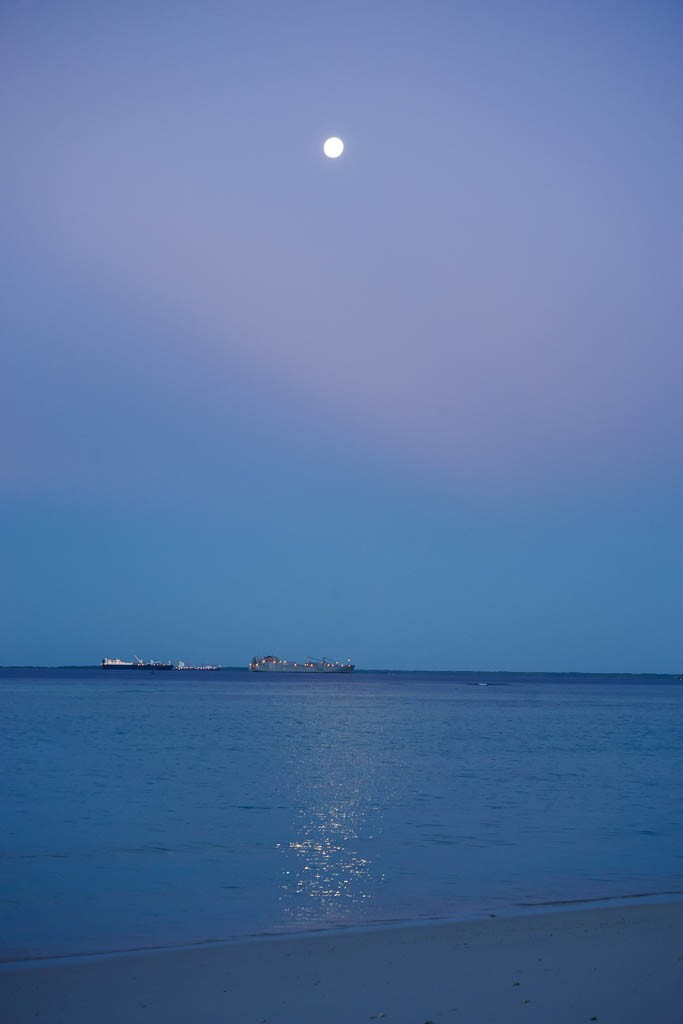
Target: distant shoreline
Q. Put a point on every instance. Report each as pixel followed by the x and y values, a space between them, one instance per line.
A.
pixel 465 675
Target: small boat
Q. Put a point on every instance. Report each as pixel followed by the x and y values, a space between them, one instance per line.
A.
pixel 182 667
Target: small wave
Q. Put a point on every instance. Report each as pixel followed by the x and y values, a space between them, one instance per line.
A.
pixel 656 894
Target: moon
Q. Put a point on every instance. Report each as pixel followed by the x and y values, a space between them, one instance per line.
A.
pixel 333 147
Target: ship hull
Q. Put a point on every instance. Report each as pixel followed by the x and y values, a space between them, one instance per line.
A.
pixel 331 670
pixel 144 667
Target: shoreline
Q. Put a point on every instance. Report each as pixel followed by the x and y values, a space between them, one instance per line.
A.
pixel 521 910
pixel 610 963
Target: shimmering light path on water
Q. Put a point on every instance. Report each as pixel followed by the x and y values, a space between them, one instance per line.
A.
pixel 166 809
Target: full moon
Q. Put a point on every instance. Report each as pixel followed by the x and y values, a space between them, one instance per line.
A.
pixel 333 147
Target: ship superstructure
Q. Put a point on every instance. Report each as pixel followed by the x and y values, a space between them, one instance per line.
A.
pixel 270 663
pixel 154 666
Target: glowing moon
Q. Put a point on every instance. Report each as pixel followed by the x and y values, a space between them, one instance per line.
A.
pixel 333 147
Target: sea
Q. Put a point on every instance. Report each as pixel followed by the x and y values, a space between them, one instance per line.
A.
pixel 149 810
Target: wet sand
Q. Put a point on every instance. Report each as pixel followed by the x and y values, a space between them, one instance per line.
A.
pixel 613 965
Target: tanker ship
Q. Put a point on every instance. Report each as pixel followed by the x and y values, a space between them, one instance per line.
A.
pixel 154 666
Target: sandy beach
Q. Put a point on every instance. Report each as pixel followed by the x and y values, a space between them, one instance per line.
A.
pixel 612 965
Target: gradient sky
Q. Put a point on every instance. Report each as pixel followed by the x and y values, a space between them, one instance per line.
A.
pixel 419 407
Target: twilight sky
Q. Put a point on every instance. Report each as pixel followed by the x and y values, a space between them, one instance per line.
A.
pixel 420 406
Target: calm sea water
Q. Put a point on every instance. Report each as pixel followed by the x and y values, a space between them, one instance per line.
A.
pixel 169 809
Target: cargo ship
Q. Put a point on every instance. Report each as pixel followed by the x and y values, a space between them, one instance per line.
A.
pixel 154 666
pixel 269 663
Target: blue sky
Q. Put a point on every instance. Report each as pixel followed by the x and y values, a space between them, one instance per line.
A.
pixel 419 407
